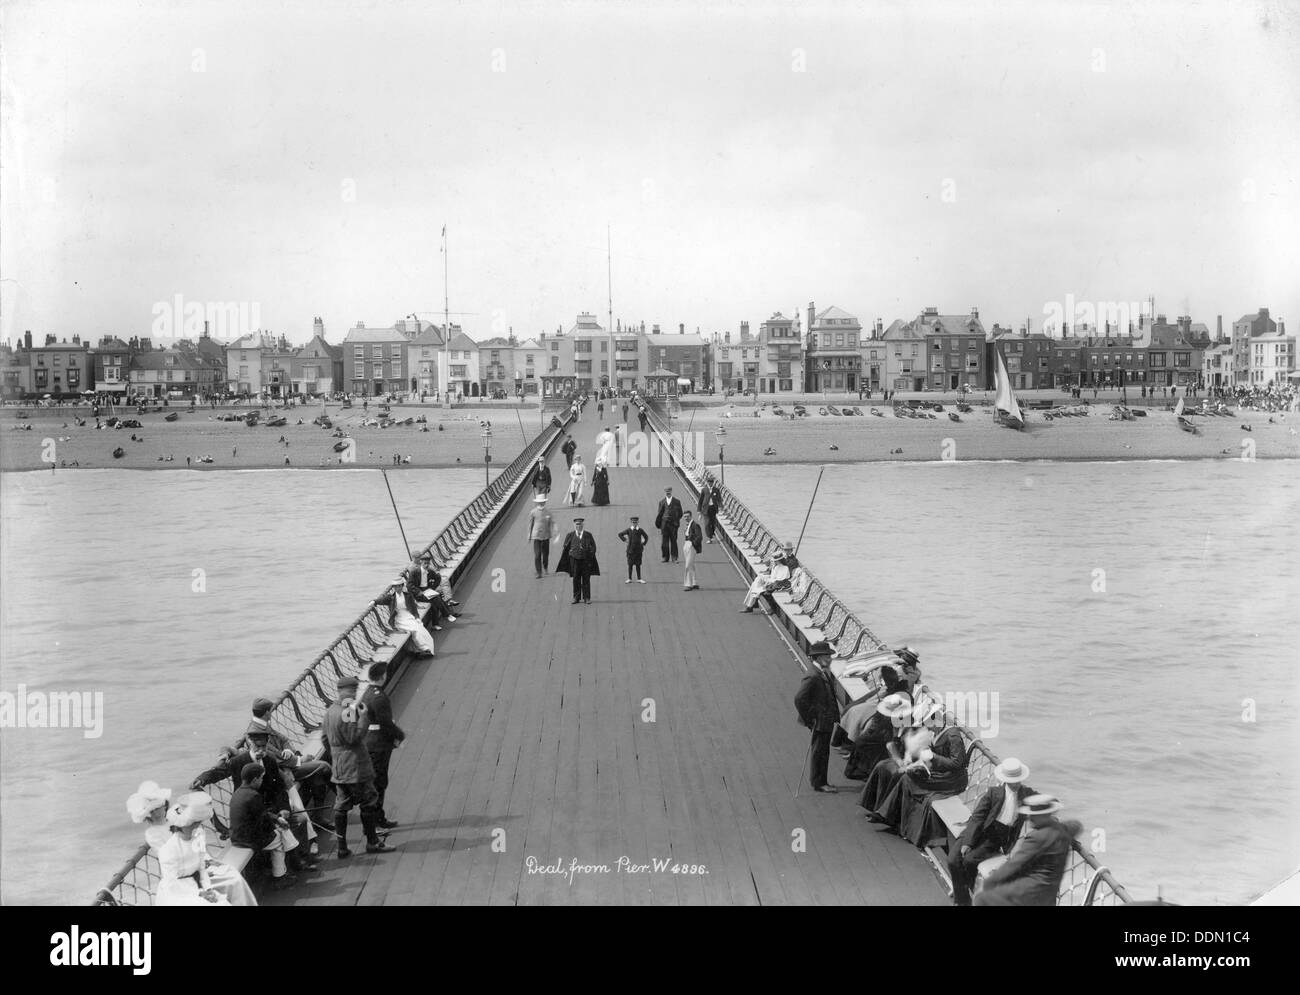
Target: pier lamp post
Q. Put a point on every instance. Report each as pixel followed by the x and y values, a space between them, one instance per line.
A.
pixel 487 454
pixel 721 436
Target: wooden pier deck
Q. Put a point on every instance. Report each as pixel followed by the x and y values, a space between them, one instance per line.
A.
pixel 526 744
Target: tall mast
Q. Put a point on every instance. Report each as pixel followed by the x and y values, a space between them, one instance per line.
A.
pixel 609 285
pixel 444 376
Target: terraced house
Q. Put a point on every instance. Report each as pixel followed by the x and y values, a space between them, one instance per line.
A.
pixel 833 361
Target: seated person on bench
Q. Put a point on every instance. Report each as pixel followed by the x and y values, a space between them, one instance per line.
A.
pixel 939 769
pixel 1034 868
pixel 871 740
pixel 312 776
pixel 254 827
pixel 776 578
pixel 991 829
pixel 423 583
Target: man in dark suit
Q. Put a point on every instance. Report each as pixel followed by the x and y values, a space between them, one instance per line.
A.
pixel 991 829
pixel 1034 868
pixel 667 518
pixel 383 736
pixel 578 559
pixel 569 448
pixel 255 827
pixel 710 503
pixel 819 711
pixel 637 539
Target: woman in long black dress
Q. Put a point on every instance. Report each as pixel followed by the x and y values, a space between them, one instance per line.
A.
pixel 600 485
pixel 871 744
pixel 938 771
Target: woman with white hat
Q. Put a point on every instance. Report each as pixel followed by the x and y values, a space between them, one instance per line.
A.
pixel 149 806
pixel 871 745
pixel 939 770
pixel 904 752
pixel 189 875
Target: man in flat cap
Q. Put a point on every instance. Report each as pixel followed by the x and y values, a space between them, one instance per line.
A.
pixel 819 711
pixel 578 559
pixel 347 725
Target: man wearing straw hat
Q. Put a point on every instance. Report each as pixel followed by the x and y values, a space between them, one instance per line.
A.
pixel 991 829
pixel 541 532
pixel 1033 871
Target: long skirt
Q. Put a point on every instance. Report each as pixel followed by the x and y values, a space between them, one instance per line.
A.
pixel 862 761
pixel 879 786
pixel 600 491
pixel 406 622
pixel 184 891
pixel 913 798
pixel 229 882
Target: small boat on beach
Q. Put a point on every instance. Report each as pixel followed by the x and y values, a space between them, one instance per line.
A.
pixel 1187 425
pixel 877 413
pixel 174 416
pixel 821 411
pixel 340 446
pixel 832 409
pixel 1006 409
pixel 119 452
pixel 276 422
pixel 953 416
pixel 965 408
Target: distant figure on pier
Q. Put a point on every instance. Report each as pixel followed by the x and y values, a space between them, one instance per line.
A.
pixel 577 479
pixel 818 710
pixel 625 412
pixel 347 724
pixel 578 559
pixel 637 539
pixel 692 544
pixel 425 583
pixel 569 448
pixel 1033 871
pixel 541 533
pixel 709 506
pixel 605 446
pixel 667 518
pixel 541 481
pixel 992 828
pixel 600 485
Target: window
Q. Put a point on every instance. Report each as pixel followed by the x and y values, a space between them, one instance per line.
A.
pixel 171 374
pixel 495 356
pixel 358 354
pixel 582 346
pixel 395 349
pixel 377 351
pixel 937 345
pixel 604 346
pixel 839 339
pixel 57 360
pixel 528 360
pixel 243 356
pixel 555 347
pixel 243 373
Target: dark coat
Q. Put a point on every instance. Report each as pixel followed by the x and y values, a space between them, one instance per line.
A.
pixel 815 701
pixel 383 733
pixel 636 539
pixel 695 536
pixel 275 793
pixel 669 515
pixel 986 814
pixel 542 477
pixel 573 549
pixel 251 824
pixel 346 733
pixel 1032 874
pixel 569 447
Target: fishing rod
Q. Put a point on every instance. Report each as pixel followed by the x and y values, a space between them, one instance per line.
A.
pixel 521 427
pixel 399 517
pixel 810 508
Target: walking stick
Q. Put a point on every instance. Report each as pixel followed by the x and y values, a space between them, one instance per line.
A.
pixel 799 782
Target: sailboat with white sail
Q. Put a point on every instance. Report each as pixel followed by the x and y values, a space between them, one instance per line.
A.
pixel 1006 409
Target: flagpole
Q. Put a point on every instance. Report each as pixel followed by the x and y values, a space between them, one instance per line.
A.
pixel 446 322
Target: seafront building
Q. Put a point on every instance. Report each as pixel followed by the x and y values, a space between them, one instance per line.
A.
pixel 832 352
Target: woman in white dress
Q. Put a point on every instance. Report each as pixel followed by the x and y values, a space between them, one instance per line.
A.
pixel 577 478
pixel 149 806
pixel 189 875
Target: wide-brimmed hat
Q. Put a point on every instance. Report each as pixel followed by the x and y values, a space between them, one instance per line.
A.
pixel 148 797
pixel 788 547
pixel 190 809
pixel 1041 805
pixel 821 648
pixel 1011 771
pixel 539 499
pixel 895 706
pixel 908 655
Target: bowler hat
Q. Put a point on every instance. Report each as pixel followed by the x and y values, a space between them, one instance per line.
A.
pixel 821 648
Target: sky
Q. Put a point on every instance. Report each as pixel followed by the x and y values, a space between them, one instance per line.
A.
pixel 741 159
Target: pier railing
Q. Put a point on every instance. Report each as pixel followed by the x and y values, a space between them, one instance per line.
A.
pixel 299 711
pixel 1086 881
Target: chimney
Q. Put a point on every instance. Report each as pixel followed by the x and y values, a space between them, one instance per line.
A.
pixel 726 337
pixel 1263 312
pixel 27 339
pixel 681 328
pixel 76 340
pixel 361 324
pixel 318 327
pixel 974 314
pixel 880 327
pixel 654 329
pixel 1218 332
pixel 812 314
pixel 51 339
pixel 205 329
